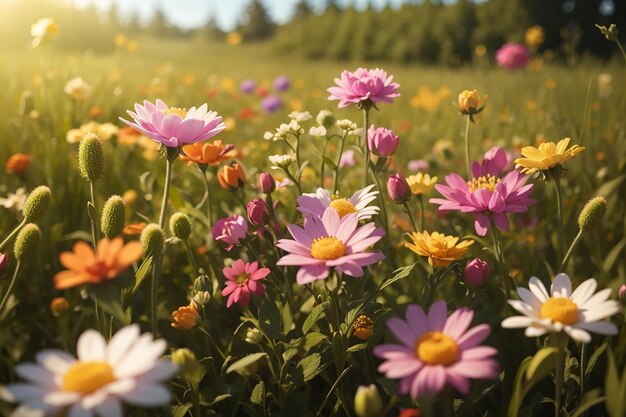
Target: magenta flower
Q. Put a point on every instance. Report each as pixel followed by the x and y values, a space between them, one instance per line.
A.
pixel 436 351
pixel 242 278
pixel 230 230
pixel 174 127
pixel 282 83
pixel 247 86
pixel 512 56
pixel 487 195
pixel 347 159
pixel 382 141
pixel 330 242
pixel 364 85
pixel 271 104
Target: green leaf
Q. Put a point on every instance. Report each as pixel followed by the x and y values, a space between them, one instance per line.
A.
pixel 314 316
pixel 357 347
pixel 108 297
pixel 329 162
pixel 313 339
pixel 516 396
pixel 614 388
pixel 541 364
pixel 270 320
pixel 308 368
pixel 140 275
pixel 398 274
pixel 595 356
pixel 609 187
pixel 258 394
pixel 181 411
pixel 242 363
pixel 287 319
pixel 590 399
pixel 613 256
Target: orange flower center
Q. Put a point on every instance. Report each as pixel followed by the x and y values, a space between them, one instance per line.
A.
pixel 327 248
pixel 176 110
pixel 87 377
pixel 489 182
pixel 560 309
pixel 436 348
pixel 342 206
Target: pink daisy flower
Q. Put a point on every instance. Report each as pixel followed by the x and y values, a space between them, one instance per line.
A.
pixel 512 56
pixel 172 126
pixel 487 194
pixel 437 350
pixel 242 278
pixel 230 230
pixel 330 242
pixel 364 85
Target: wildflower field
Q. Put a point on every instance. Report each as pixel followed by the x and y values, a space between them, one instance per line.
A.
pixel 208 229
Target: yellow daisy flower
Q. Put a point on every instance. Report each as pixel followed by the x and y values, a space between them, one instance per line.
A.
pixel 546 156
pixel 421 183
pixel 440 249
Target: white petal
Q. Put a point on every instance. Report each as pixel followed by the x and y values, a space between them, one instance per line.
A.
pixel 601 327
pixel 141 357
pixel 562 286
pixel 578 335
pixel 161 371
pixel 121 342
pixel 121 386
pixel 94 399
pixel 517 321
pixel 91 346
pixel 529 298
pixel 148 396
pixel 538 289
pixel 523 308
pixel 61 398
pixel 584 291
pixel 598 298
pixel 35 374
pixel 79 411
pixel 110 408
pixel 534 331
pixel 601 311
pixel 56 361
pixel 17 393
pixel 28 410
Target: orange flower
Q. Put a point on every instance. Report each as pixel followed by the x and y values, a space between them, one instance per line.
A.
pixel 88 267
pixel 59 305
pixel 231 177
pixel 18 163
pixel 134 229
pixel 185 317
pixel 207 153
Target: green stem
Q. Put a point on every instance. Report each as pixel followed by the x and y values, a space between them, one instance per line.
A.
pixel 497 248
pixel 156 273
pixel 95 235
pixel 467 148
pixel 621 48
pixel 366 149
pixel 293 179
pixel 323 164
pixel 582 369
pixel 383 208
pixel 192 258
pixel 559 204
pixel 559 376
pixel 570 251
pixel 207 190
pixel 448 403
pixel 407 210
pixel 166 192
pixel 12 235
pixel 298 152
pixel 343 141
pixel 213 343
pixel 11 284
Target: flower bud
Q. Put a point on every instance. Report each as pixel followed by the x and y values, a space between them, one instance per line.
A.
pixel 186 317
pixel 202 298
pixel 113 217
pixel 258 212
pixel 186 361
pixel 254 336
pixel 267 184
pixel 27 243
pixel 325 118
pixel 611 33
pixel 91 157
pixel 367 402
pixel 382 141
pixel 180 226
pixel 37 203
pixel 621 293
pixel 398 189
pixel 59 305
pixel 4 260
pixel 153 239
pixel 202 284
pixel 476 273
pixel 591 215
pixel 232 177
pixel 469 102
pixel 363 327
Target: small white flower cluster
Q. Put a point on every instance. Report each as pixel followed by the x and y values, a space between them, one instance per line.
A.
pixel 284 130
pixel 282 161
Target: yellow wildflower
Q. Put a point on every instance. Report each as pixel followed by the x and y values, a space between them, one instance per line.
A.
pixel 440 249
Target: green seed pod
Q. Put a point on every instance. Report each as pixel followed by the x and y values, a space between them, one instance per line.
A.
pixel 113 216
pixel 180 225
pixel 91 157
pixel 37 203
pixel 153 239
pixel 591 215
pixel 27 242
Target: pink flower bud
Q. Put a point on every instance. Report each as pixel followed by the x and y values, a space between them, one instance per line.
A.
pixel 258 212
pixel 398 189
pixel 3 262
pixel 267 184
pixel 476 273
pixel 382 141
pixel 622 294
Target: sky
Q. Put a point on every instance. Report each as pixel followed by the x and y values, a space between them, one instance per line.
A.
pixel 195 13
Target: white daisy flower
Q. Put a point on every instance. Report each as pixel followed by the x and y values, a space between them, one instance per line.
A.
pixel 128 369
pixel 300 116
pixel 575 313
pixel 314 204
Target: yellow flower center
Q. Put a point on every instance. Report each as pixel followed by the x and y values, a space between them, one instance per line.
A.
pixel 327 248
pixel 243 278
pixel 342 206
pixel 87 377
pixel 436 348
pixel 559 309
pixel 176 110
pixel 489 182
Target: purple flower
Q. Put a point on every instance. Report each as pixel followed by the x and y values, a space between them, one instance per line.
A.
pixel 172 126
pixel 621 293
pixel 364 85
pixel 418 165
pixel 398 189
pixel 495 161
pixel 271 104
pixel 282 83
pixel 476 273
pixel 258 212
pixel 436 351
pixel 247 86
pixel 230 230
pixel 512 56
pixel 382 141
pixel 3 262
